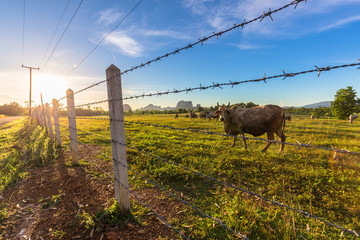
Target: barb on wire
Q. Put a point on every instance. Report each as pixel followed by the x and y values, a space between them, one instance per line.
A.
pixel 267 14
pixel 328 68
pixel 217 34
pixel 352 232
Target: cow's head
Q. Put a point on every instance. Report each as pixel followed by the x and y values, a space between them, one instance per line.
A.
pixel 223 111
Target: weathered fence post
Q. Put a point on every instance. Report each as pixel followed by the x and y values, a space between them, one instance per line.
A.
pixel 43 118
pixel 38 116
pixel 72 126
pixel 56 121
pixel 117 130
pixel 48 115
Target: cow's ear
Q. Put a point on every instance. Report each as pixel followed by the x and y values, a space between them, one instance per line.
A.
pixel 217 113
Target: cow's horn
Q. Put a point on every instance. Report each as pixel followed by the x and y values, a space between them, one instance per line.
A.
pixel 218 104
pixel 228 105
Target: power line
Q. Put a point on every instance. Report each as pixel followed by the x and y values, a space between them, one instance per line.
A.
pixel 23 37
pixel 62 34
pixel 103 39
pixel 57 26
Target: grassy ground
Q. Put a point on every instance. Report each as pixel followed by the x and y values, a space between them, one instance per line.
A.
pixel 22 145
pixel 305 178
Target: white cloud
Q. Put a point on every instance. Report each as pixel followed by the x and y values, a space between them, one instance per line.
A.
pixel 197 6
pixel 228 12
pixel 108 16
pixel 249 46
pixel 165 33
pixel 126 44
pixel 341 22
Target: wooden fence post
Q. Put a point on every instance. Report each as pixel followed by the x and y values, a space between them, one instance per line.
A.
pixel 117 130
pixel 56 121
pixel 48 115
pixel 72 125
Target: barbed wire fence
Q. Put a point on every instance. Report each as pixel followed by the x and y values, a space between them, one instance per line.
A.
pixel 118 142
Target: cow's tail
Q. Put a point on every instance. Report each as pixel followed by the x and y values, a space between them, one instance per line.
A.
pixel 283 119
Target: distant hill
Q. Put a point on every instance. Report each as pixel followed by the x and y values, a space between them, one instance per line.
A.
pixel 180 104
pixel 319 104
pixel 127 108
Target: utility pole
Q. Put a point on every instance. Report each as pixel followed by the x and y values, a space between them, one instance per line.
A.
pixel 31 68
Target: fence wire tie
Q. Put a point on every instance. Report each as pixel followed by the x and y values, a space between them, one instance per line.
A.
pixel 287 74
pixel 328 68
pixel 267 14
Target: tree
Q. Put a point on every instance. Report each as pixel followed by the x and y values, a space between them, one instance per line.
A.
pixel 345 103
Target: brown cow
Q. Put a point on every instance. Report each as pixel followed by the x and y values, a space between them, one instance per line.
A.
pixel 192 115
pixel 268 119
pixel 288 117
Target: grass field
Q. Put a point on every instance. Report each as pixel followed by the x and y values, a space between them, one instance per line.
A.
pixel 305 178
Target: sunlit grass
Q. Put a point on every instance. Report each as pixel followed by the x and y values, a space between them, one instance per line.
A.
pixel 305 178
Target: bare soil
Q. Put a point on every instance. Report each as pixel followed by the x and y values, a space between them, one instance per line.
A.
pixel 79 192
pixel 7 119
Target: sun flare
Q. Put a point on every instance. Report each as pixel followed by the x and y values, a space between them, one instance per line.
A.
pixel 51 86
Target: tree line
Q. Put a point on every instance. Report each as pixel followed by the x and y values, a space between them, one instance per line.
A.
pixel 345 103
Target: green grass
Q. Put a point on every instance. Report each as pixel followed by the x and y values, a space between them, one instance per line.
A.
pixel 22 145
pixel 302 178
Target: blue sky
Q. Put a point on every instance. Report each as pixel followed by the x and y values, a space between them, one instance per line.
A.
pixel 317 32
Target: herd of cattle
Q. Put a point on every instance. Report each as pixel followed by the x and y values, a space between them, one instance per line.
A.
pixel 269 119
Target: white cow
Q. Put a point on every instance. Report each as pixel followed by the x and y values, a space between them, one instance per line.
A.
pixel 352 117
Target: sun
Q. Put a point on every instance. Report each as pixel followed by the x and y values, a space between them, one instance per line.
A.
pixel 51 86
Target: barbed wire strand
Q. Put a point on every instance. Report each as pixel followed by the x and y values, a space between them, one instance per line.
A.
pixel 200 41
pixel 298 145
pixel 162 188
pixel 352 232
pixel 219 85
pixel 139 199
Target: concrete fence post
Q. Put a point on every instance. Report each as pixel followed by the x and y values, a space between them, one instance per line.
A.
pixel 38 116
pixel 43 118
pixel 117 129
pixel 56 121
pixel 48 116
pixel 72 126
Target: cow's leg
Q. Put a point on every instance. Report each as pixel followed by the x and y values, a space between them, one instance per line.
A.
pixel 233 144
pixel 282 139
pixel 243 137
pixel 270 136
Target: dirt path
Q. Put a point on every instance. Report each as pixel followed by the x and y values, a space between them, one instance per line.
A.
pixel 7 119
pixel 80 196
